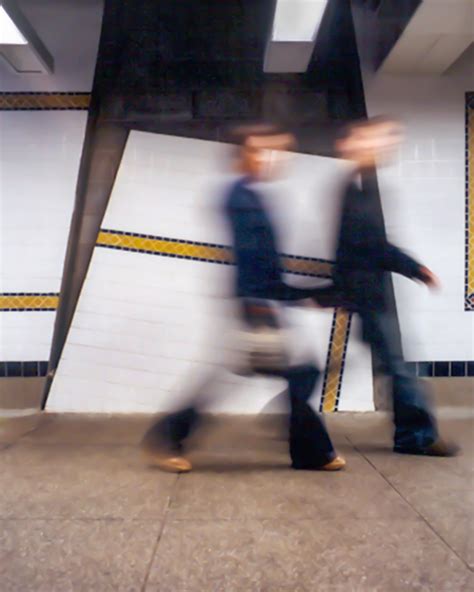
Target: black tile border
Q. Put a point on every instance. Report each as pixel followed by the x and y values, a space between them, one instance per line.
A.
pixel 451 369
pixel 442 369
pixel 29 293
pixel 27 369
pixel 469 368
pixel 458 368
pixel 469 112
pixel 438 369
pixel 28 309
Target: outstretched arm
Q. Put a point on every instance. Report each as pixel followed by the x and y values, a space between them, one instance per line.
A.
pixel 394 259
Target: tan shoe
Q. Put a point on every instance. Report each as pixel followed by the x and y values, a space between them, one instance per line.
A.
pixel 336 464
pixel 170 464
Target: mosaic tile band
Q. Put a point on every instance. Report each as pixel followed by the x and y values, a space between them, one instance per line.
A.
pixel 341 327
pixel 206 252
pixel 37 101
pixel 24 302
pixel 469 281
pixel 222 254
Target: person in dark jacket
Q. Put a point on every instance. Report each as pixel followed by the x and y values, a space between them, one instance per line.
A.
pixel 258 284
pixel 364 259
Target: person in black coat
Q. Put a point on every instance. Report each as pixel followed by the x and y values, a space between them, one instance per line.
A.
pixel 364 259
pixel 258 284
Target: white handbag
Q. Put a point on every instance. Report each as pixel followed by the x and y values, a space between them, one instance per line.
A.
pixel 263 349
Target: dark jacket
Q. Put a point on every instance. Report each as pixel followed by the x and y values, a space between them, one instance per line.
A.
pixel 255 248
pixel 364 255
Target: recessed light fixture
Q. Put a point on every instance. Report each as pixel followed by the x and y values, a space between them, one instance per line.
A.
pixel 295 28
pixel 9 32
pixel 297 20
pixel 20 45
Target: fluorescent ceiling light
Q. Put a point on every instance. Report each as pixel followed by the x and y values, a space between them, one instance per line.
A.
pixel 20 45
pixel 9 33
pixel 297 20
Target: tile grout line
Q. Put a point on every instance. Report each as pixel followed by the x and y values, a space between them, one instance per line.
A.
pixel 60 518
pixel 417 512
pixel 9 445
pixel 160 534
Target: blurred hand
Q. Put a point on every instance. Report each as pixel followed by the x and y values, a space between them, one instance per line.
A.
pixel 311 303
pixel 429 278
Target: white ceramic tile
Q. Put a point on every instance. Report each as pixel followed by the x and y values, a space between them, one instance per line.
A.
pixel 357 389
pixel 26 335
pixel 431 194
pixel 40 161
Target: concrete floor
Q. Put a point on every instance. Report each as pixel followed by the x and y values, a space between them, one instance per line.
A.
pixel 80 512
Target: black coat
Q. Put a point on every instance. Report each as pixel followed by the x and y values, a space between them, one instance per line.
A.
pixel 364 255
pixel 255 248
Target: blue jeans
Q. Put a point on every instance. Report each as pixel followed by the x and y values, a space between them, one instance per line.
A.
pixel 415 424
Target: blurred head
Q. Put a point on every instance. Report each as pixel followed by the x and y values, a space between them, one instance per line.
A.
pixel 371 142
pixel 262 151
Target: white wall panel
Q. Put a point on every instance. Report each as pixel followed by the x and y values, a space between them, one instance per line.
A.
pixel 39 162
pixel 423 197
pixel 148 327
pixel 39 156
pixel 357 383
pixel 25 336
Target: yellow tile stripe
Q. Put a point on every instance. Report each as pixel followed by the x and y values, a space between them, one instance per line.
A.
pixel 203 252
pixel 51 101
pixel 470 206
pixel 28 301
pixel 335 362
pixel 165 247
pixel 314 267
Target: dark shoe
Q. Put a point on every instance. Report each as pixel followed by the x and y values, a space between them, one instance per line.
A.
pixel 439 448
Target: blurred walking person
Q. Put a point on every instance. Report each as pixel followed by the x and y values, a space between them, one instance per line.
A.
pixel 363 261
pixel 258 287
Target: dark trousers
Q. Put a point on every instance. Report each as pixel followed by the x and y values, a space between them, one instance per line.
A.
pixel 309 442
pixel 415 425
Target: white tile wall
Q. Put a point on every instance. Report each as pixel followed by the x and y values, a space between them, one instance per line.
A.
pixel 357 384
pixel 25 335
pixel 39 161
pixel 146 326
pixel 423 197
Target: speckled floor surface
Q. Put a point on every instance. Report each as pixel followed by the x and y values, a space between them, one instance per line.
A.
pixel 79 511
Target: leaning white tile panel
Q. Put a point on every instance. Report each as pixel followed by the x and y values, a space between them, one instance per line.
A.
pixel 357 389
pixel 147 327
pixel 193 211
